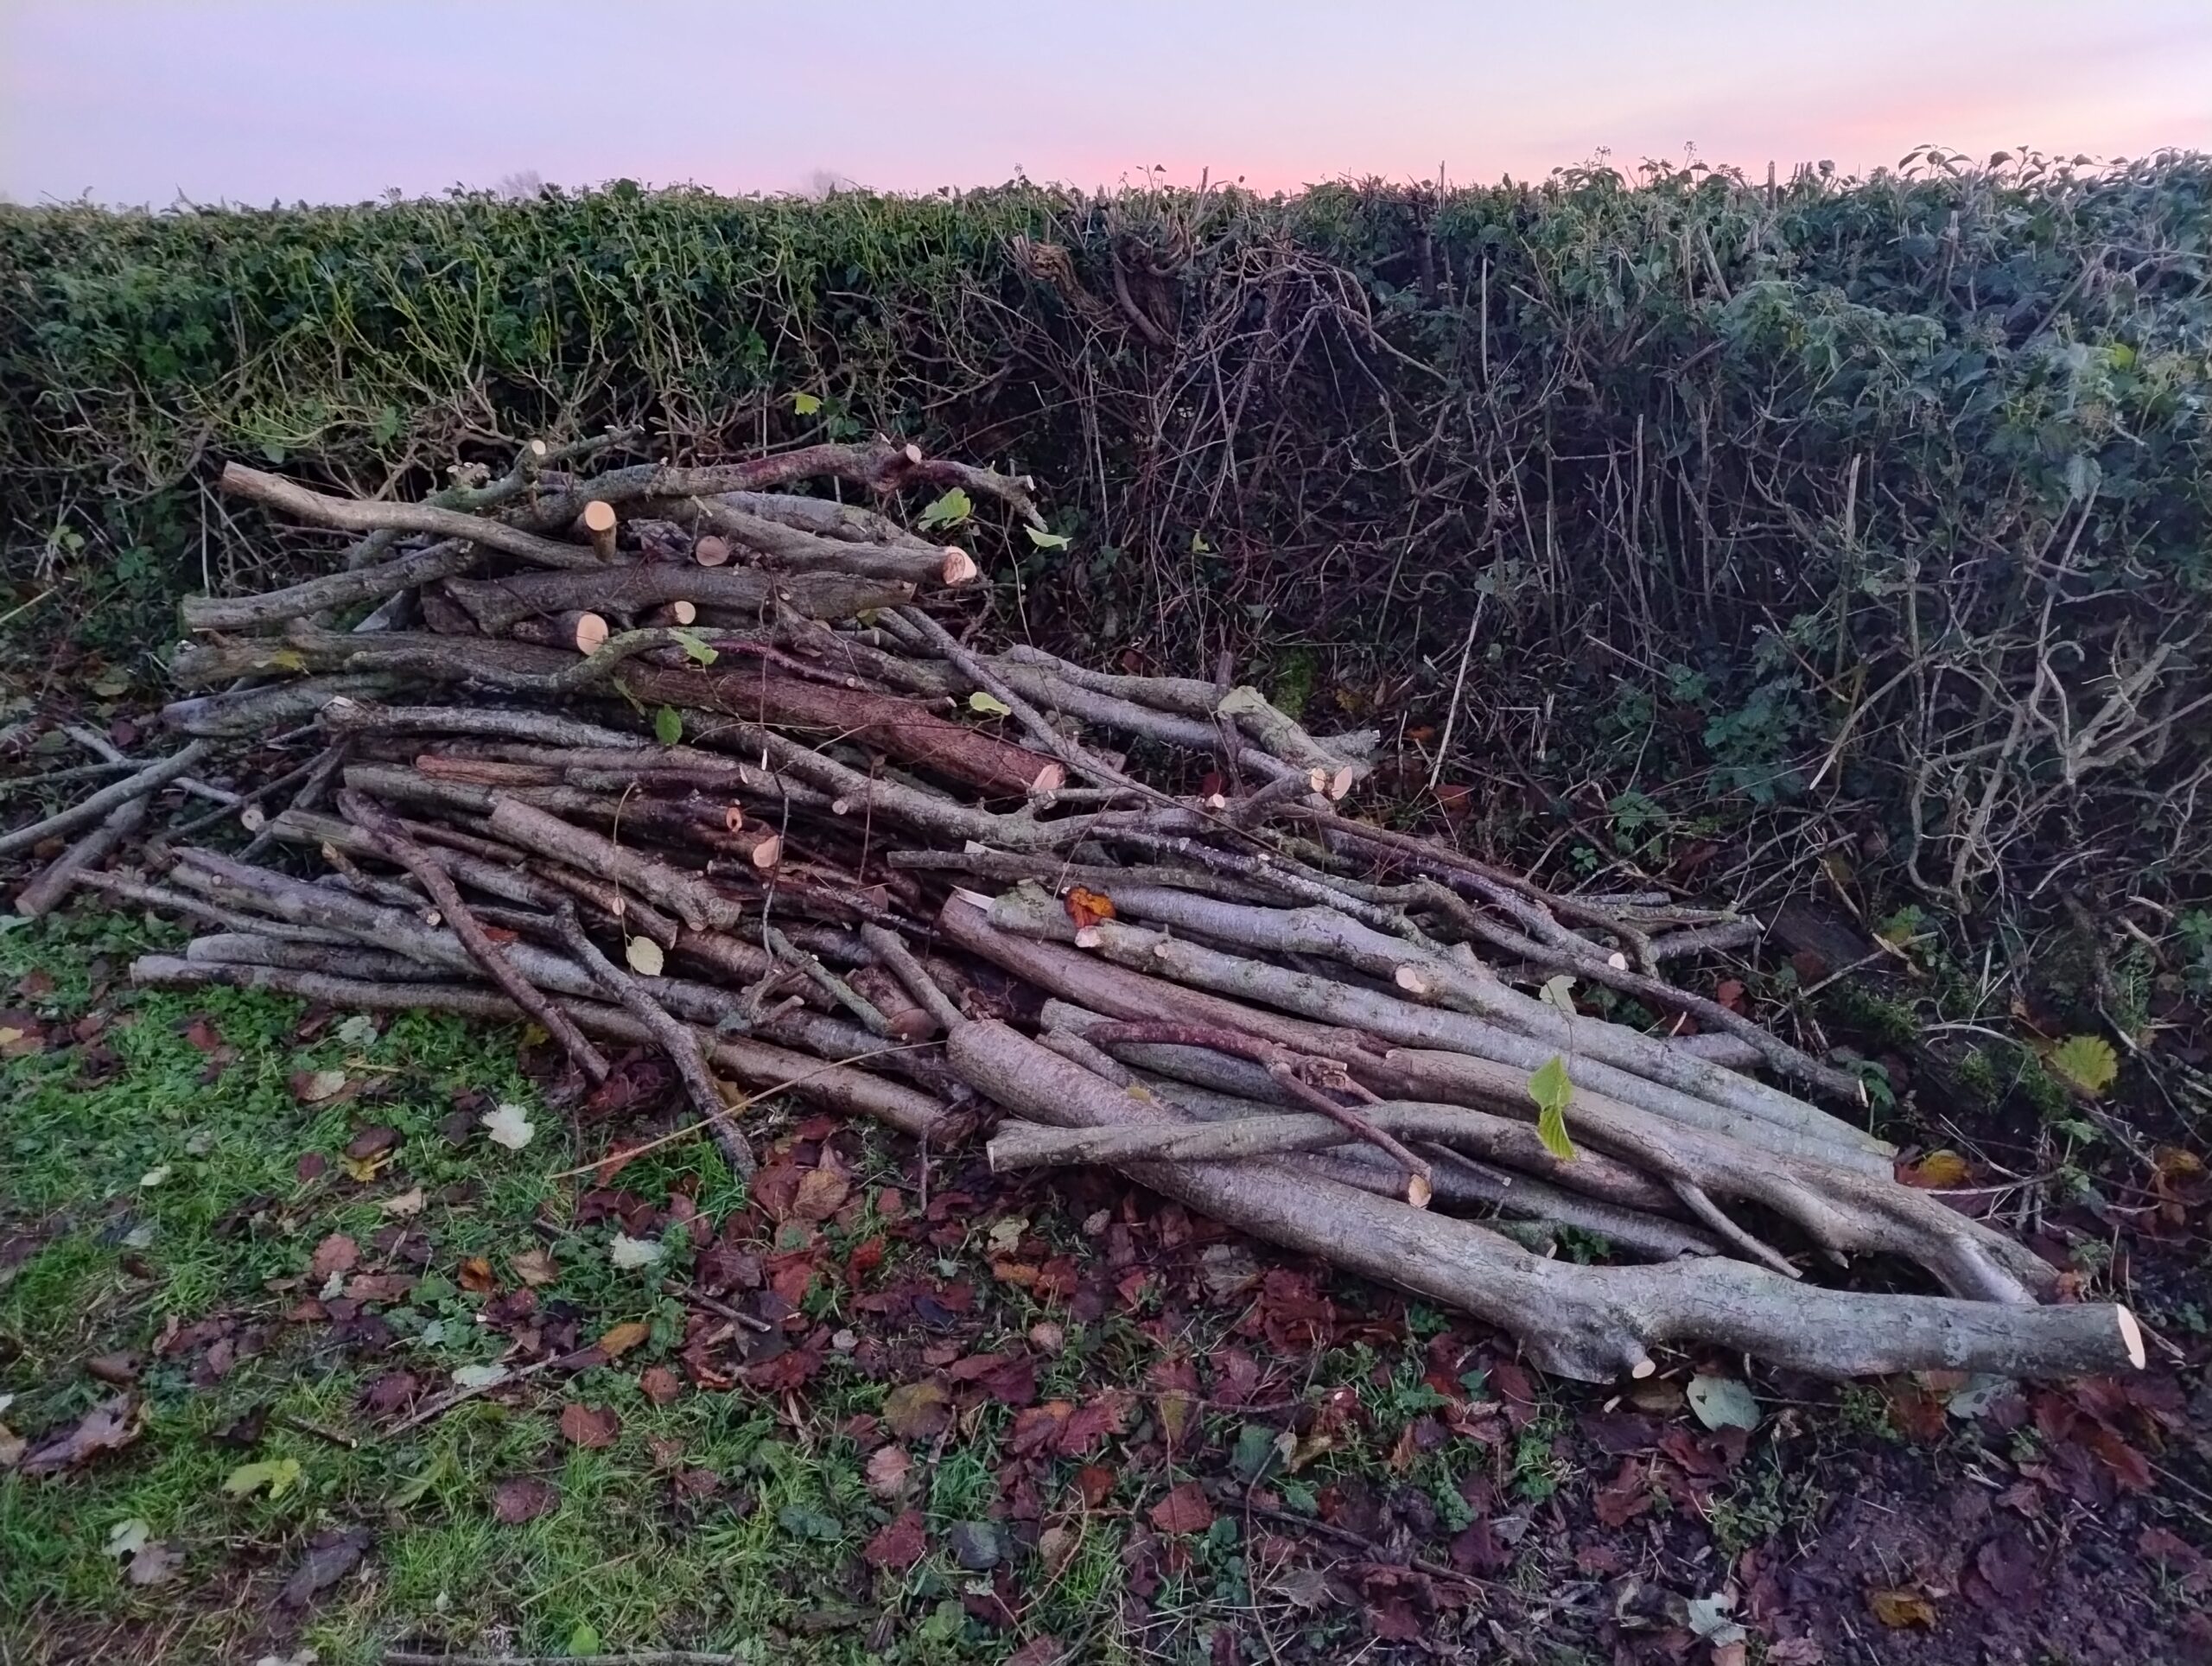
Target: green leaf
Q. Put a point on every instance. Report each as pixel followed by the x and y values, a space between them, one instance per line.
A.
pixel 805 1523
pixel 585 1639
pixel 695 646
pixel 1199 546
pixel 989 704
pixel 668 726
pixel 949 510
pixel 1045 540
pixel 804 404
pixel 1552 1089
pixel 1722 1403
pixel 2085 1062
pixel 1559 993
pixel 278 1475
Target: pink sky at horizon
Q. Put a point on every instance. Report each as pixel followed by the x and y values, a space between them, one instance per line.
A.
pixel 136 101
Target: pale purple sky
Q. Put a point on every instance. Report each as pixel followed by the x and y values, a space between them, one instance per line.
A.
pixel 336 100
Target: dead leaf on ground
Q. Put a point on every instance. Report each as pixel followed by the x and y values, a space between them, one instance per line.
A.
pixel 1937 1169
pixel 336 1254
pixel 1087 908
pixel 589 1426
pixel 314 1087
pixel 887 1472
pixel 660 1385
pixel 107 1427
pixel 621 1338
pixel 333 1556
pixel 918 1411
pixel 899 1543
pixel 822 1192
pixel 476 1276
pixel 1899 1609
pixel 536 1267
pixel 522 1499
pixel 153 1564
pixel 1186 1509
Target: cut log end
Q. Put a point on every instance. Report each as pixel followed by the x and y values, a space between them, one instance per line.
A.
pixel 1051 779
pixel 734 819
pixel 2131 1336
pixel 1341 782
pixel 768 852
pixel 958 567
pixel 586 631
pixel 598 522
pixel 711 551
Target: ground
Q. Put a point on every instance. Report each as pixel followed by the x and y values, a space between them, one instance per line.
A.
pixel 873 1407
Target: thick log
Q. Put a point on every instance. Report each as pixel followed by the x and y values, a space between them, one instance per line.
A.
pixel 902 728
pixel 1593 1323
pixel 791 548
pixel 638 587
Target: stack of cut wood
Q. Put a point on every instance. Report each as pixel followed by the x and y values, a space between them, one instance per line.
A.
pixel 681 759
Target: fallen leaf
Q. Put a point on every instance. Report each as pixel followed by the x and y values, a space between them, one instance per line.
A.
pixel 1898 1609
pixel 358 1031
pixel 476 1276
pixel 336 1254
pixel 660 1385
pixel 1186 1509
pixel 536 1267
pixel 899 1543
pixel 645 957
pixel 976 1546
pixel 1087 908
pixel 313 1087
pixel 629 1254
pixel 522 1499
pixel 333 1556
pixel 887 1472
pixel 589 1426
pixel 1936 1169
pixel 918 1411
pixel 404 1206
pixel 2085 1063
pixel 508 1125
pixel 157 1175
pixel 116 1369
pixel 1722 1403
pixel 621 1338
pixel 1708 1617
pixel 154 1564
pixel 480 1376
pixel 108 1426
pixel 822 1192
pixel 278 1475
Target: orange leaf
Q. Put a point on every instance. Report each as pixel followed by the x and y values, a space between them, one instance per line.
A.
pixel 1902 1608
pixel 476 1274
pixel 1937 1169
pixel 1184 1510
pixel 623 1338
pixel 1087 908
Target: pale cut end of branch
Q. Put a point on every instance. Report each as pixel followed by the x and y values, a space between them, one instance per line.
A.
pixel 586 631
pixel 2131 1336
pixel 673 613
pixel 913 452
pixel 958 566
pixel 972 898
pixel 1341 782
pixel 768 852
pixel 1410 980
pixel 1088 937
pixel 1051 779
pixel 711 551
pixel 599 525
pixel 1318 779
pixel 1418 1191
pixel 538 450
pixel 734 819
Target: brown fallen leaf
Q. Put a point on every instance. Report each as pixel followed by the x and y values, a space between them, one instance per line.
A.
pixel 536 1267
pixel 659 1384
pixel 621 1338
pixel 118 1369
pixel 110 1425
pixel 1936 1169
pixel 589 1426
pixel 476 1276
pixel 1898 1609
pixel 822 1192
pixel 336 1254
pixel 1087 908
pixel 153 1564
pixel 522 1499
pixel 887 1472
pixel 918 1411
pixel 329 1559
pixel 1186 1509
pixel 899 1543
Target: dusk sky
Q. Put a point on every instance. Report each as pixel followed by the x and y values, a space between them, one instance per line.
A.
pixel 250 101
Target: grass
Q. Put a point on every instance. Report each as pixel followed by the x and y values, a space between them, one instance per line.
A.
pixel 131 1190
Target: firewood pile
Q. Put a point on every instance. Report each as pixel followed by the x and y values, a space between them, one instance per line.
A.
pixel 681 758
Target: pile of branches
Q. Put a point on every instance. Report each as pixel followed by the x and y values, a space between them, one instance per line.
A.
pixel 681 759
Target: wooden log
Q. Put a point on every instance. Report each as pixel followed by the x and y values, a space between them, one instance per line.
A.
pixel 448 559
pixel 889 722
pixel 597 523
pixel 353 515
pixel 711 551
pixel 581 631
pixel 627 589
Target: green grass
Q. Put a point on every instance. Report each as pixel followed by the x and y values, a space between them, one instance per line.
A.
pixel 766 1565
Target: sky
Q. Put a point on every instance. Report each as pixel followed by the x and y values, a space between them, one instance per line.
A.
pixel 252 101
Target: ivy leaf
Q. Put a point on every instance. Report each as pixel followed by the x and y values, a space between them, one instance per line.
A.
pixel 805 404
pixel 645 957
pixel 1552 1091
pixel 989 704
pixel 668 723
pixel 695 646
pixel 949 510
pixel 1045 540
pixel 2085 1062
